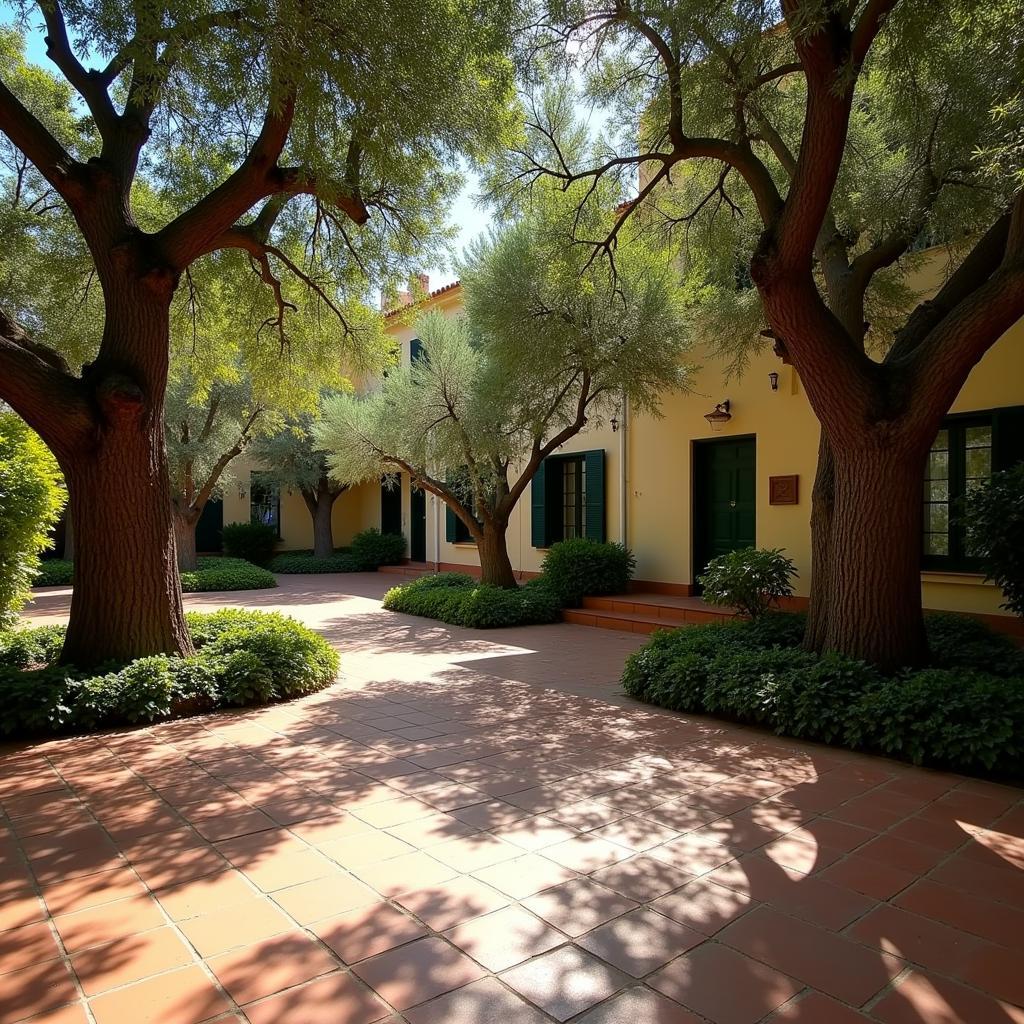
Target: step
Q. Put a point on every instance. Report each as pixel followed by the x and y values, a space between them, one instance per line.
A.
pixel 671 611
pixel 409 569
pixel 636 622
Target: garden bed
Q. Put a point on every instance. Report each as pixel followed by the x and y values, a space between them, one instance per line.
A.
pixel 212 574
pixel 964 711
pixel 243 658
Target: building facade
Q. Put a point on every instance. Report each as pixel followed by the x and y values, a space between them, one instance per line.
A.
pixel 681 489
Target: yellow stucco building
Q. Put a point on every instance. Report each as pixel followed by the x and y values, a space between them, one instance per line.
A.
pixel 679 489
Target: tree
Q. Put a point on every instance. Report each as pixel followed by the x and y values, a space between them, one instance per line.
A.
pixel 31 498
pixel 333 121
pixel 295 460
pixel 817 151
pixel 546 346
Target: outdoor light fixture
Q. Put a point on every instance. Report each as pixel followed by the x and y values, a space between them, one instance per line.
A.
pixel 241 494
pixel 615 424
pixel 773 379
pixel 719 415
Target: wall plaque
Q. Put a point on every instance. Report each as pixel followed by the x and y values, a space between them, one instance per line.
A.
pixel 784 490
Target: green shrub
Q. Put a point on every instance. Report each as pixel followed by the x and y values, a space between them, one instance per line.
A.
pixel 23 648
pixel 252 542
pixel 460 600
pixel 243 658
pixel 955 718
pixel 53 572
pixel 371 549
pixel 226 574
pixel 751 580
pixel 578 568
pixel 31 498
pixel 994 515
pixel 304 561
pixel 958 641
pixel 777 629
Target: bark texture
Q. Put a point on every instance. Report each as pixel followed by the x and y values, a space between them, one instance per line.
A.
pixel 495 565
pixel 320 503
pixel 185 538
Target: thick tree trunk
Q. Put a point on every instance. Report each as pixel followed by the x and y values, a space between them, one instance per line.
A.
pixel 868 604
pixel 495 566
pixel 822 509
pixel 185 538
pixel 69 538
pixel 323 533
pixel 126 601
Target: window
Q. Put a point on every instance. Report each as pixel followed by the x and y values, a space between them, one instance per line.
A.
pixel 264 501
pixel 455 530
pixel 416 352
pixel 568 498
pixel 968 449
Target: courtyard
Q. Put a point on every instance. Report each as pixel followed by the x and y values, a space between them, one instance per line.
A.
pixel 478 827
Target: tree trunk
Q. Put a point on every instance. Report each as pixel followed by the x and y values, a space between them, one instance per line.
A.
pixel 323 532
pixel 69 538
pixel 868 604
pixel 185 538
pixel 495 566
pixel 822 509
pixel 126 601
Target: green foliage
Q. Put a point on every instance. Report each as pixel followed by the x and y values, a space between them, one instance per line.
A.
pixel 226 574
pixel 306 561
pixel 371 549
pixel 252 542
pixel 31 499
pixel 995 528
pixel 243 658
pixel 748 671
pixel 959 641
pixel 751 580
pixel 462 601
pixel 23 648
pixel 578 568
pixel 54 572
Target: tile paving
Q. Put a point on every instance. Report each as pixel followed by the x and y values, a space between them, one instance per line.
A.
pixel 473 828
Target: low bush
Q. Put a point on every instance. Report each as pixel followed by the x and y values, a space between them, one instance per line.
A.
pixel 578 568
pixel 371 549
pixel 252 542
pixel 753 672
pixel 212 574
pixel 460 600
pixel 243 658
pixel 226 574
pixel 994 515
pixel 306 561
pixel 53 572
pixel 750 580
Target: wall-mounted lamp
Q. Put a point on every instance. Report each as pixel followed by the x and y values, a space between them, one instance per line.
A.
pixel 719 415
pixel 773 379
pixel 241 494
pixel 615 424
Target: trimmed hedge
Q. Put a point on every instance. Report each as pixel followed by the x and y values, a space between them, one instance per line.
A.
pixel 461 600
pixel 306 561
pixel 242 658
pixel 212 574
pixel 578 568
pixel 753 672
pixel 251 542
pixel 371 549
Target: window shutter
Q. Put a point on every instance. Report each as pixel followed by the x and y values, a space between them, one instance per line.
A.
pixel 1007 437
pixel 538 518
pixel 593 514
pixel 415 350
pixel 449 524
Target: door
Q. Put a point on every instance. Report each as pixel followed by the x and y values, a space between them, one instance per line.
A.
pixel 418 526
pixel 724 499
pixel 391 509
pixel 210 524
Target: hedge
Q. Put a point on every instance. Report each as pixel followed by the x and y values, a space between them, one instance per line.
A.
pixel 578 568
pixel 968 719
pixel 212 574
pixel 306 561
pixel 242 658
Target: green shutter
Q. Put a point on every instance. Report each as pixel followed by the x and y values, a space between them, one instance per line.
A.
pixel 593 514
pixel 415 350
pixel 449 524
pixel 538 519
pixel 1007 437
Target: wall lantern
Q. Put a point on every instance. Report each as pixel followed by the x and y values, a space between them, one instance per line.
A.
pixel 615 424
pixel 719 415
pixel 773 379
pixel 241 493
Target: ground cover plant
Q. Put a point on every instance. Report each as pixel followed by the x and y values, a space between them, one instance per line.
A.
pixel 210 574
pixel 242 658
pixel 306 561
pixel 964 710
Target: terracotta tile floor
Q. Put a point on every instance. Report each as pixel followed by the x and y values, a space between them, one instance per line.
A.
pixel 477 828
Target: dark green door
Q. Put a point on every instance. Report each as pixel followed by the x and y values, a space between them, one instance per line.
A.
pixel 724 498
pixel 209 527
pixel 390 509
pixel 418 526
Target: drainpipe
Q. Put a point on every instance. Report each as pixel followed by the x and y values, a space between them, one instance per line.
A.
pixel 623 427
pixel 437 532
